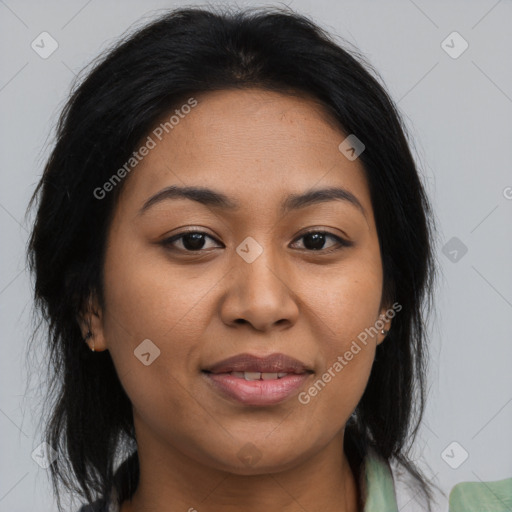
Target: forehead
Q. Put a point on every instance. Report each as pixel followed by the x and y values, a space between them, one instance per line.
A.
pixel 254 145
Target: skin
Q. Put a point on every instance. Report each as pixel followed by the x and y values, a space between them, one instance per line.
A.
pixel 198 308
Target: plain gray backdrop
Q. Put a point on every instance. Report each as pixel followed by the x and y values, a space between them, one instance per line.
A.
pixel 457 106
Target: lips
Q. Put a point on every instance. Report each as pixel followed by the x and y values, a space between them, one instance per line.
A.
pixel 257 381
pixel 250 364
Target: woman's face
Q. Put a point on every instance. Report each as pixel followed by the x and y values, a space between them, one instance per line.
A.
pixel 252 283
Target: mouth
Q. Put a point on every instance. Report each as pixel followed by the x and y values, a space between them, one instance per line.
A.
pixel 257 381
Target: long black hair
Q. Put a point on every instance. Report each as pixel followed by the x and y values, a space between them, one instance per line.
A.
pixel 185 52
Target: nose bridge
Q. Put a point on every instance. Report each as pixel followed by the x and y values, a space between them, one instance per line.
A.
pixel 262 274
pixel 258 266
pixel 260 291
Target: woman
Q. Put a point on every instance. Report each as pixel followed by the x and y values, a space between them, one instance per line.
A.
pixel 232 252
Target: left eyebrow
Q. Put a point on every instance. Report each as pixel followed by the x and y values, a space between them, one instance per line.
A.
pixel 215 199
pixel 322 195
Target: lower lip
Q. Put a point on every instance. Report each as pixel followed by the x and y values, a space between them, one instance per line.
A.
pixel 257 392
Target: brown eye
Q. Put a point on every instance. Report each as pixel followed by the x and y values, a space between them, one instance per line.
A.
pixel 191 241
pixel 315 241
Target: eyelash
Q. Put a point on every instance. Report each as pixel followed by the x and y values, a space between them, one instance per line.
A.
pixel 342 243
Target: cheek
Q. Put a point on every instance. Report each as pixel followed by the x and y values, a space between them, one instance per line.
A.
pixel 347 301
pixel 347 354
pixel 347 308
pixel 152 312
pixel 146 301
pixel 147 295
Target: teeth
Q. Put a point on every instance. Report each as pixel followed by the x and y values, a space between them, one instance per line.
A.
pixel 252 375
pixel 258 375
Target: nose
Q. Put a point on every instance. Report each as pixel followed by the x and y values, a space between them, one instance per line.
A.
pixel 260 294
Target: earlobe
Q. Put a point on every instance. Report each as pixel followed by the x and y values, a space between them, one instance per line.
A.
pixel 90 321
pixel 382 336
pixel 383 324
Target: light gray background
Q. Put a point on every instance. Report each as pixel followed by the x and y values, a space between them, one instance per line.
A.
pixel 459 114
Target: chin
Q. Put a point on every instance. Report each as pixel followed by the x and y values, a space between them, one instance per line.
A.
pixel 250 460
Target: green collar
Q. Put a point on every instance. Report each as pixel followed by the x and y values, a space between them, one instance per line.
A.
pixel 377 485
pixel 476 496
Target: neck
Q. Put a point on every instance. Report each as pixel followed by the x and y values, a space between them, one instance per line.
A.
pixel 174 481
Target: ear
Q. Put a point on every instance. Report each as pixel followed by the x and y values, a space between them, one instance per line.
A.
pixel 90 319
pixel 383 322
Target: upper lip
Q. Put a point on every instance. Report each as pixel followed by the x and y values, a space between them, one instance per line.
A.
pixel 273 363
